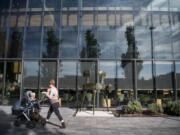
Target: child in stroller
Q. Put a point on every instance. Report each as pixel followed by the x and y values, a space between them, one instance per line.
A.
pixel 29 114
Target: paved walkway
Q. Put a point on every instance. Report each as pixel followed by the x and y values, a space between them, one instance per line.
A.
pixel 93 125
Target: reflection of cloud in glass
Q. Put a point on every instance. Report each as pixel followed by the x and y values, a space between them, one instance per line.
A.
pixel 146 71
pixel 163 68
pixel 67 68
pixel 31 69
pixel 108 68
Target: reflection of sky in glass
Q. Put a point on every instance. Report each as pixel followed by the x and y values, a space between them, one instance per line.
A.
pixel 31 69
pixel 52 4
pixel 32 45
pixel 177 67
pixel 142 37
pixel 68 47
pixel 146 71
pixel 108 68
pixel 107 40
pixel 67 68
pixel 163 68
pixel 162 44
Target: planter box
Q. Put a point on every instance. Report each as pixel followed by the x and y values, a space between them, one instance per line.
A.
pixel 104 104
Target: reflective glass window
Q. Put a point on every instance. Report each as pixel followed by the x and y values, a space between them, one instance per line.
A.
pixel 163 75
pixel 143 42
pixel 87 19
pixel 2 43
pixel 121 46
pixel 178 75
pixel 68 47
pixel 35 5
pixel 1 80
pixel 102 19
pixel 125 75
pixel 176 43
pixel 67 82
pixel 126 43
pixel 144 75
pixel 86 72
pixel 48 72
pixel 127 19
pixel 90 45
pixel 67 75
pixel 15 43
pixel 12 82
pixel 18 5
pixel 34 19
pixel 70 3
pixel 4 5
pixel 106 38
pixel 109 68
pixel 32 43
pixel 111 19
pixel 72 20
pixel 51 43
pixel 3 20
pixel 52 5
pixel 31 72
pixel 51 19
pixel 175 12
pixel 17 20
pixel 162 44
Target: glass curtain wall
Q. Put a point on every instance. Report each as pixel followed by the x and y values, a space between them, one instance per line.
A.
pixel 1 80
pixel 30 76
pixel 178 78
pixel 164 80
pixel 67 82
pixel 12 82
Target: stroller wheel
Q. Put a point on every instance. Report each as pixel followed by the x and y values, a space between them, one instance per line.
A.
pixel 30 124
pixel 17 123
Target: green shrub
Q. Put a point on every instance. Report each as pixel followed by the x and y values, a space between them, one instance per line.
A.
pixel 133 107
pixel 173 108
pixel 154 108
pixel 144 99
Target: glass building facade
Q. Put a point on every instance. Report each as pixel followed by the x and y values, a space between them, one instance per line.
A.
pixel 135 42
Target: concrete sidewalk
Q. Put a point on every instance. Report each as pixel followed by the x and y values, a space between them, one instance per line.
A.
pixel 93 125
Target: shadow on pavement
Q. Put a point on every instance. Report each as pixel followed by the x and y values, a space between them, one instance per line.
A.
pixel 7 127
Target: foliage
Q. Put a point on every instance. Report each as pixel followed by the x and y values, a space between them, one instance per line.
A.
pixel 52 44
pixel 15 47
pixel 92 49
pixel 133 107
pixel 132 52
pixel 144 99
pixel 89 97
pixel 155 108
pixel 172 108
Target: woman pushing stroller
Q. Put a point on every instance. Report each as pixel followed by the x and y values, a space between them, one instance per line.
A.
pixel 53 96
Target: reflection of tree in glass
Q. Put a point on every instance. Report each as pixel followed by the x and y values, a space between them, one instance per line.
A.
pixel 52 45
pixel 48 72
pixel 2 43
pixel 92 49
pixel 132 52
pixel 15 47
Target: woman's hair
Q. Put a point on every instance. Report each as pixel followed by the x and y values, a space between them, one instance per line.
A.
pixel 52 82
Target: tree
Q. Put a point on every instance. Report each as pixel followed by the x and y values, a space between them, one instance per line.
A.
pixel 92 48
pixel 132 52
pixel 52 45
pixel 2 43
pixel 15 47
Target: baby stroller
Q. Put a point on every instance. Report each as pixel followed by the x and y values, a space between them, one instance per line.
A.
pixel 27 112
